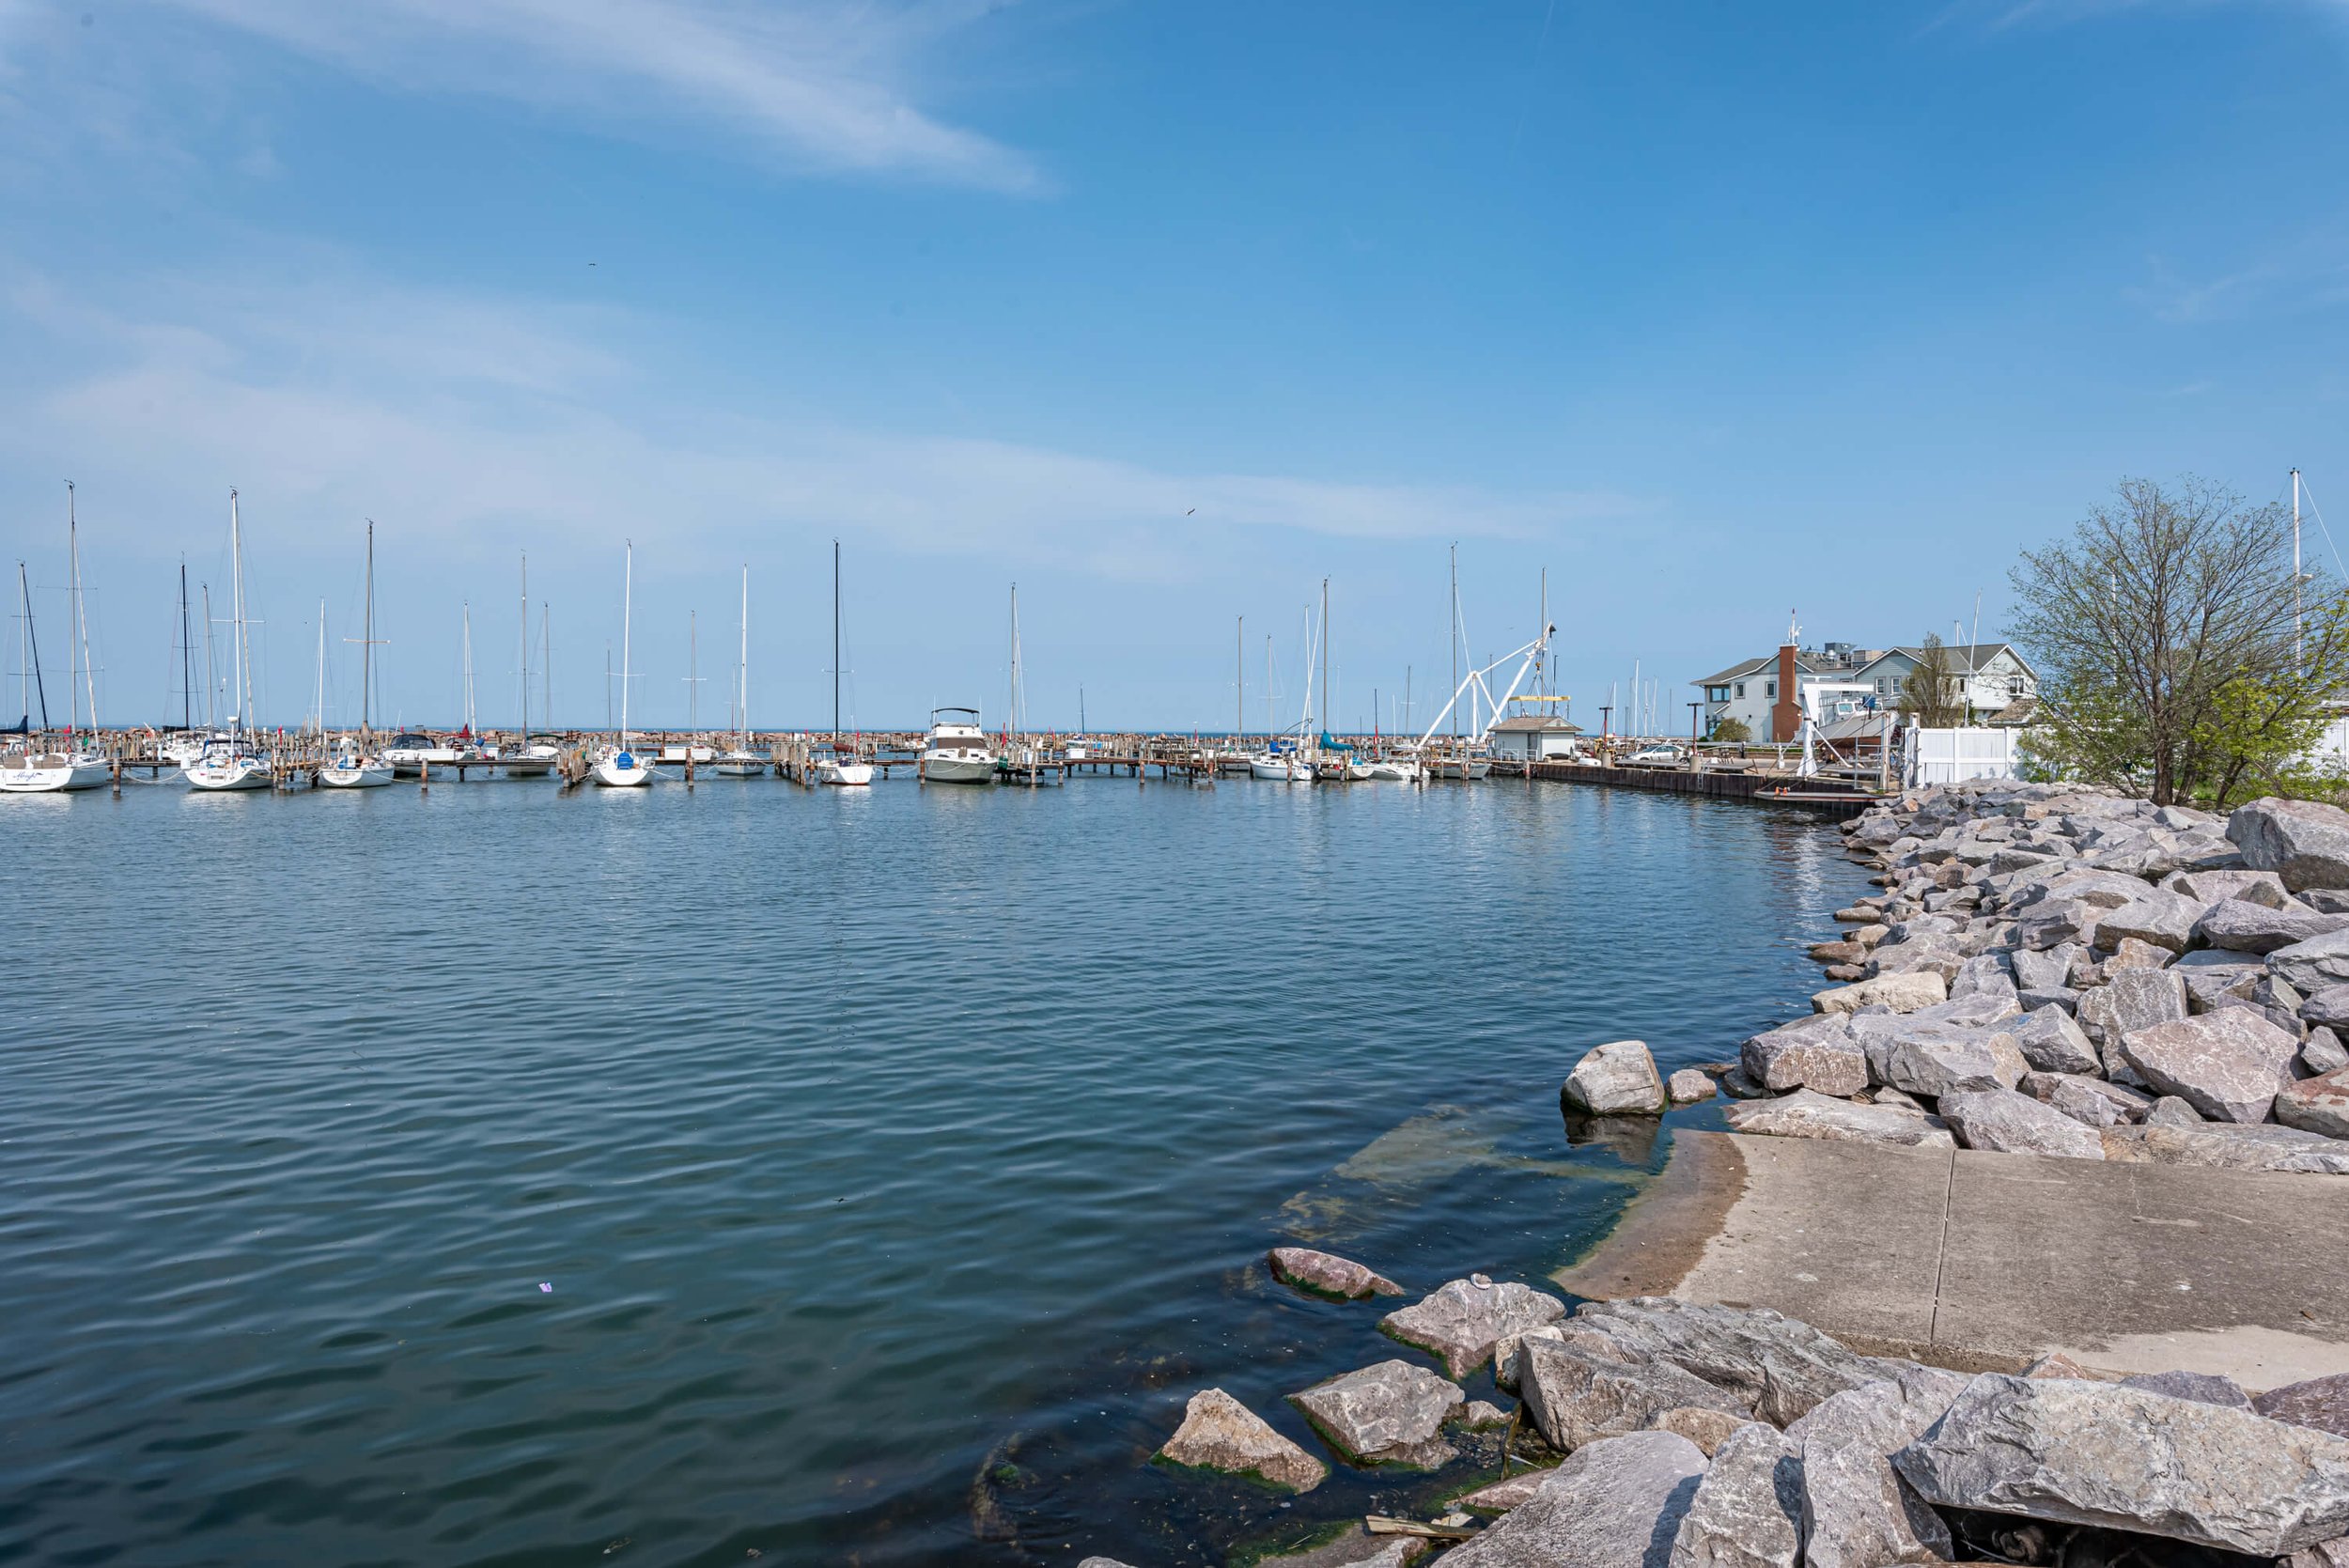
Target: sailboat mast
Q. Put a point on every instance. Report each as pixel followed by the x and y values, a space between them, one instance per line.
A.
pixel 628 610
pixel 1011 709
pixel 237 718
pixel 321 697
pixel 546 657
pixel 211 676
pixel 742 671
pixel 1239 680
pixel 73 638
pixel 1455 639
pixel 366 648
pixel 1325 656
pixel 32 650
pixel 467 637
pixel 525 737
pixel 693 672
pixel 1267 691
pixel 834 641
pixel 187 655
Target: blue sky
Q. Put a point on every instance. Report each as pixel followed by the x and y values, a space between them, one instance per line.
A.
pixel 1165 313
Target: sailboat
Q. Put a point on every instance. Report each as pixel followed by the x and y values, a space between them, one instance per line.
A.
pixel 354 766
pixel 833 767
pixel 1283 762
pixel 76 765
pixel 526 760
pixel 738 761
pixel 1334 761
pixel 616 765
pixel 230 761
pixel 1021 759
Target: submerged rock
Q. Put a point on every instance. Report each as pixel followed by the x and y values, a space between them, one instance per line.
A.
pixel 1614 1504
pixel 1388 1414
pixel 2100 1453
pixel 1463 1319
pixel 1219 1433
pixel 1617 1079
pixel 1806 1114
pixel 1747 1511
pixel 1326 1274
pixel 1687 1086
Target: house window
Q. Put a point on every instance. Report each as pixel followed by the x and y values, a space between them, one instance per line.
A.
pixel 1769 689
pixel 1741 688
pixel 1879 686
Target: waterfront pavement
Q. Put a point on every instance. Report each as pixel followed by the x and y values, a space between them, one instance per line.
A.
pixel 1984 1262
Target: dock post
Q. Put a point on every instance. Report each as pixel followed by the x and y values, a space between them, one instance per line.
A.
pixel 689 764
pixel 423 775
pixel 117 778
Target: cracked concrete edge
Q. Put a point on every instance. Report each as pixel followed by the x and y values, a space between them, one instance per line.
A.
pixel 1662 1234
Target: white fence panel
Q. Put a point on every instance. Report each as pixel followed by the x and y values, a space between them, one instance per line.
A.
pixel 1952 757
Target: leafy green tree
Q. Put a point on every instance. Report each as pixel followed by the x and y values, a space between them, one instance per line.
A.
pixel 2166 633
pixel 1933 696
pixel 1734 731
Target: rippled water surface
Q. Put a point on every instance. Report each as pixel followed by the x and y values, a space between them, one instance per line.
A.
pixel 899 1160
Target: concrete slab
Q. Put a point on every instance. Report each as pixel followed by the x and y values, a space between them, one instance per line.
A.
pixel 1983 1261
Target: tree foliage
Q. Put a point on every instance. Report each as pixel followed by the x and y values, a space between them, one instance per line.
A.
pixel 1735 731
pixel 2166 638
pixel 1933 696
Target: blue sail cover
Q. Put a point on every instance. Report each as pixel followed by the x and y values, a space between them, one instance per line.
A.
pixel 1329 743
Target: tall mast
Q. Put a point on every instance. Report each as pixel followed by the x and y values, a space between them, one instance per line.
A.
pixel 321 695
pixel 32 648
pixel 187 655
pixel 238 716
pixel 627 610
pixel 211 676
pixel 693 672
pixel 78 635
pixel 1011 709
pixel 1239 680
pixel 366 641
pixel 525 739
pixel 1325 656
pixel 546 657
pixel 467 613
pixel 1267 691
pixel 742 669
pixel 1455 638
pixel 835 643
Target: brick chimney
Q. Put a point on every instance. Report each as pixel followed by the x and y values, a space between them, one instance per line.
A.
pixel 1786 714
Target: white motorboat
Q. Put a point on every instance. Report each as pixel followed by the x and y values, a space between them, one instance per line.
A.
pixel 679 753
pixel 228 766
pixel 957 751
pixel 1340 769
pixel 412 751
pixel 1395 769
pixel 1461 768
pixel 736 763
pixel 352 769
pixel 617 766
pixel 845 770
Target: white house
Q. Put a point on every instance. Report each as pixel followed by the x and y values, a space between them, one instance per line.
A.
pixel 1990 677
pixel 1534 738
pixel 1749 691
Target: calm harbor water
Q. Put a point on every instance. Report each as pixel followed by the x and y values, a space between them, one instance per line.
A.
pixel 899 1160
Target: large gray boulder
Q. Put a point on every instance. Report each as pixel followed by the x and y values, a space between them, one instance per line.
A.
pixel 1748 1509
pixel 2227 1064
pixel 2228 1146
pixel 1612 1504
pixel 2209 1387
pixel 2316 1104
pixel 1806 1115
pixel 2321 1403
pixel 2052 1042
pixel 1617 1079
pixel 1463 1319
pixel 1902 993
pixel 2312 964
pixel 1817 1052
pixel 1388 1414
pixel 2241 925
pixel 2322 1052
pixel 2043 972
pixel 1219 1433
pixel 2099 1453
pixel 1991 1060
pixel 2305 842
pixel 1576 1398
pixel 1778 1366
pixel 2166 920
pixel 2008 1123
pixel 1857 1511
pixel 2211 887
pixel 2089 1100
pixel 2212 974
pixel 2328 1009
pixel 1326 1274
pixel 2142 996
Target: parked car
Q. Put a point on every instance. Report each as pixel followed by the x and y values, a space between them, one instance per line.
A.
pixel 1656 756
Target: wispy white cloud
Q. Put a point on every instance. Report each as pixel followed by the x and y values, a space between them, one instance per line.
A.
pixel 2305 273
pixel 458 413
pixel 818 83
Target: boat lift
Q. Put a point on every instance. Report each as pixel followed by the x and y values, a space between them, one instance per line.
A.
pixel 1473 685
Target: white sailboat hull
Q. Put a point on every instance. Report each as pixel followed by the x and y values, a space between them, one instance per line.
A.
pixel 367 774
pixel 1470 769
pixel 1392 771
pixel 222 775
pixel 743 766
pixel 621 770
pixel 849 774
pixel 1280 770
pixel 55 775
